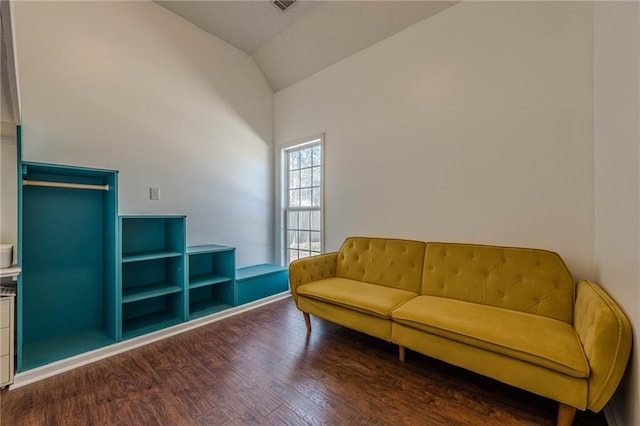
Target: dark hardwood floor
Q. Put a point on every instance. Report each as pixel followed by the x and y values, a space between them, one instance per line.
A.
pixel 260 367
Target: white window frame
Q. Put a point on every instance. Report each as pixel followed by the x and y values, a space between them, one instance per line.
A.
pixel 282 194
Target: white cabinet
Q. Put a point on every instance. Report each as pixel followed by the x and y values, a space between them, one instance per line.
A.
pixel 6 340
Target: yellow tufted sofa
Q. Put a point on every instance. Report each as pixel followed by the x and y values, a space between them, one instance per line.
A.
pixel 512 314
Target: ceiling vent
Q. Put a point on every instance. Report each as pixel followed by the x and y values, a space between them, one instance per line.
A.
pixel 283 5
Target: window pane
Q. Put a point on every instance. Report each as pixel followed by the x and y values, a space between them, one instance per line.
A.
pixel 317 175
pixel 293 255
pixel 294 179
pixel 305 178
pixel 316 155
pixel 305 157
pixel 292 220
pixel 305 197
pixel 316 197
pixel 292 239
pixel 315 221
pixel 304 240
pixel 302 254
pixel 294 160
pixel 304 220
pixel 316 242
pixel 294 198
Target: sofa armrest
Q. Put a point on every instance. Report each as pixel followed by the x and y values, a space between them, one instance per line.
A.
pixel 310 269
pixel 605 334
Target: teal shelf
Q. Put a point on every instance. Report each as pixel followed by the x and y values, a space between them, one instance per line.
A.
pixel 138 326
pixel 208 279
pixel 206 307
pixel 258 270
pixel 208 248
pixel 134 294
pixel 150 255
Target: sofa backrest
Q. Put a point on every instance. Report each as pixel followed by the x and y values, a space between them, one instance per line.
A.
pixel 527 280
pixel 388 262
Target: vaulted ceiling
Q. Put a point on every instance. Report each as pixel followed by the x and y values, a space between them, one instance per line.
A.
pixel 287 46
pixel 309 36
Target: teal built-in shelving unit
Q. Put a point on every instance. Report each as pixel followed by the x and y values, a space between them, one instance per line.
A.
pixel 91 278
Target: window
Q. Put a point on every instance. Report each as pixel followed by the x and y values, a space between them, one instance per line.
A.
pixel 302 197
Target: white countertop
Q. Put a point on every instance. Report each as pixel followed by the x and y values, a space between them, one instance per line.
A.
pixel 12 271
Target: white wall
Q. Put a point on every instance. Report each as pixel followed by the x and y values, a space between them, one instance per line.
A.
pixel 130 86
pixel 474 125
pixel 617 177
pixel 8 186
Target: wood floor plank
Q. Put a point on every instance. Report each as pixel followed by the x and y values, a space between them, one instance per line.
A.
pixel 261 367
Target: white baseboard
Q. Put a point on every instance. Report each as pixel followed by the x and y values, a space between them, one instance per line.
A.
pixel 36 374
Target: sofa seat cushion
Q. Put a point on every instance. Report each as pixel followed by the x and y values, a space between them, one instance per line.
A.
pixel 532 338
pixel 367 298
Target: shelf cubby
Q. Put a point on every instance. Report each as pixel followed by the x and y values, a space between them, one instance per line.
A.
pixel 150 278
pixel 152 236
pixel 151 314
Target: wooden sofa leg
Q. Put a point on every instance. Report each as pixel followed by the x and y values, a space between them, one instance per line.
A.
pixel 307 321
pixel 566 413
pixel 402 353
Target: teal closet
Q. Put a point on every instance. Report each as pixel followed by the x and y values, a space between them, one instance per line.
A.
pixel 68 256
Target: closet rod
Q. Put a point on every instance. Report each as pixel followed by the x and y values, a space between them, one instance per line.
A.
pixel 65 185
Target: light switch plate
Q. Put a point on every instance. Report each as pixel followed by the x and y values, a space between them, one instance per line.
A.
pixel 154 193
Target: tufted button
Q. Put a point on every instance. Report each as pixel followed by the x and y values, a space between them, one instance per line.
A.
pixel 456 270
pixel 556 284
pixel 304 267
pixel 538 262
pixel 431 268
pixel 519 278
